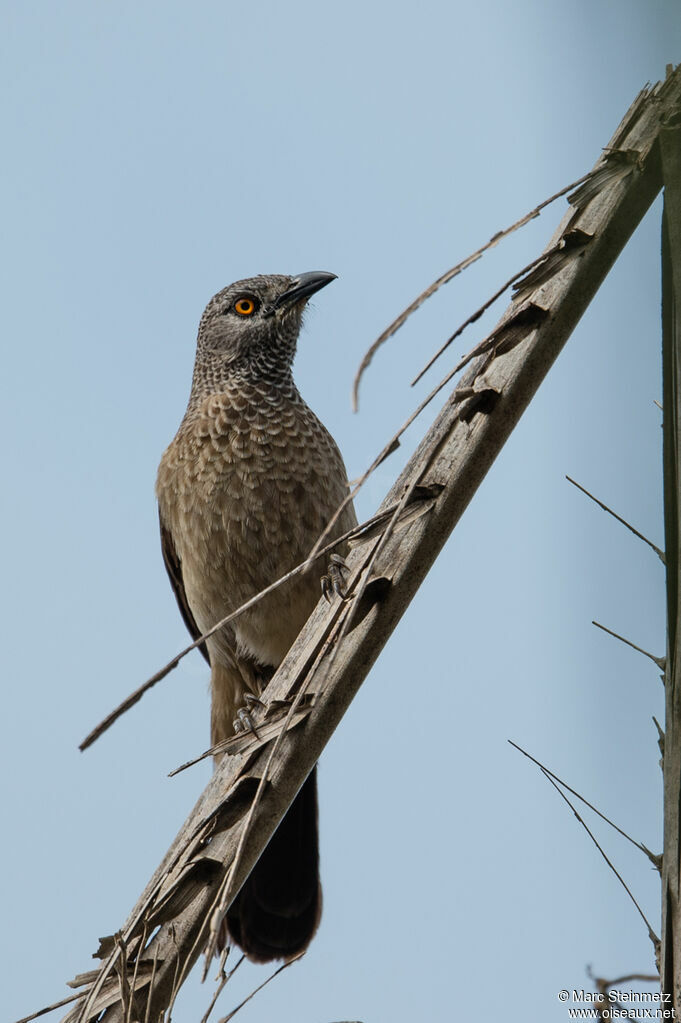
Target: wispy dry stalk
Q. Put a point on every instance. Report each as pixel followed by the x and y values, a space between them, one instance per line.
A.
pixel 659 661
pixel 615 164
pixel 651 933
pixel 232 1014
pixel 223 981
pixel 448 276
pixel 227 830
pixel 49 1008
pixel 362 531
pixel 550 774
pixel 475 316
pixel 632 529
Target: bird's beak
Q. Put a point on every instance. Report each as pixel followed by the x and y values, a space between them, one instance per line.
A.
pixel 303 286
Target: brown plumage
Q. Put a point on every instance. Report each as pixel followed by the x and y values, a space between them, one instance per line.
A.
pixel 245 488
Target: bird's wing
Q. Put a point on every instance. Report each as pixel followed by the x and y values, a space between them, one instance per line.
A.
pixel 174 570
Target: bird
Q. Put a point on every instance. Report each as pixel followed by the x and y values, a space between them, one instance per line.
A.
pixel 248 484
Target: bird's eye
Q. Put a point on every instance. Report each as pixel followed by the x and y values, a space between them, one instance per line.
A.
pixel 245 306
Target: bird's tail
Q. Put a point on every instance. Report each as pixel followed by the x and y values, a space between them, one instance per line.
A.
pixel 276 913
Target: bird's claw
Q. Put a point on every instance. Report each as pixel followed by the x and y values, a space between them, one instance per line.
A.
pixel 243 722
pixel 333 582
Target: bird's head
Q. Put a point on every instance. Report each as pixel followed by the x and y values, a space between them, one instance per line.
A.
pixel 251 327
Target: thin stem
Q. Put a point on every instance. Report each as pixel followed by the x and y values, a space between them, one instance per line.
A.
pixel 659 661
pixel 651 933
pixel 400 320
pixel 586 802
pixel 619 518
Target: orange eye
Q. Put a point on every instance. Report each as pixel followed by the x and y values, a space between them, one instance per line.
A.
pixel 245 306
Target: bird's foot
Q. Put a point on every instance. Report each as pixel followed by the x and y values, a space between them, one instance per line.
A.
pixel 254 678
pixel 333 581
pixel 243 722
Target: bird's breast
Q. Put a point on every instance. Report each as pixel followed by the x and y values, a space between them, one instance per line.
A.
pixel 246 492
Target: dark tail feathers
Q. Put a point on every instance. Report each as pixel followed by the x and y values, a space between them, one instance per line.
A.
pixel 276 913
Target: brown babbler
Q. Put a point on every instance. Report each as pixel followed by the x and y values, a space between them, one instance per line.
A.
pixel 246 487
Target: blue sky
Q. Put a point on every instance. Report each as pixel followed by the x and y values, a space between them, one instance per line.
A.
pixel 156 152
